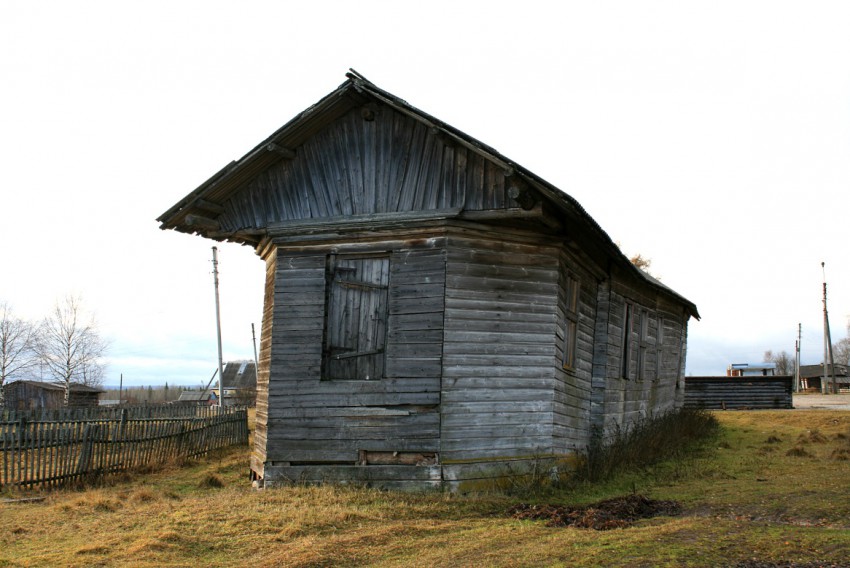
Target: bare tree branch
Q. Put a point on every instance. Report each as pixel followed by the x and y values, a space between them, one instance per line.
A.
pixel 785 364
pixel 70 346
pixel 17 342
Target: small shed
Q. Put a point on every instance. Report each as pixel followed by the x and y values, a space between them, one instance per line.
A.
pixel 33 395
pixel 435 315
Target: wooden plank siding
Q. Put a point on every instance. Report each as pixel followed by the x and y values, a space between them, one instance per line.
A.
pixel 314 420
pixel 258 455
pixel 499 349
pixel 573 385
pixel 334 175
pixel 649 388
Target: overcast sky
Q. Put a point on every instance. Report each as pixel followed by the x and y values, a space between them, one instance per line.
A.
pixel 711 137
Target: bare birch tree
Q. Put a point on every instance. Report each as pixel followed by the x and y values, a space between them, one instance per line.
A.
pixel 17 346
pixel 70 346
pixel 785 364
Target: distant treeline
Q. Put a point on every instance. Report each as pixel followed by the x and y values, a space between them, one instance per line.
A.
pixel 148 394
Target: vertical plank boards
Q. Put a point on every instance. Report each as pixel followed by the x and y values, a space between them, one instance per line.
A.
pixel 354 166
pixel 77 445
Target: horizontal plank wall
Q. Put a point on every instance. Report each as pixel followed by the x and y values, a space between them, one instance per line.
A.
pixel 499 348
pixel 356 167
pixel 739 392
pixel 649 381
pixel 375 430
pixel 573 385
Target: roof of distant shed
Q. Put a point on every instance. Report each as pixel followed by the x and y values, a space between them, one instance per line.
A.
pixel 75 387
pixel 207 200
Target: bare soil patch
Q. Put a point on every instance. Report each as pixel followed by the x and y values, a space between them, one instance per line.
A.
pixel 615 513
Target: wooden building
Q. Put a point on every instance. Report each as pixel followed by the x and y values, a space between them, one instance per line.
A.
pixel 240 384
pixel 435 315
pixel 36 395
pixel 811 377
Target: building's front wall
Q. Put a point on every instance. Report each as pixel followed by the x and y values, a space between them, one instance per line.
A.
pixel 317 421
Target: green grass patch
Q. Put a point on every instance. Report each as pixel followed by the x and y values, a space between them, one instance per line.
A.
pixel 650 440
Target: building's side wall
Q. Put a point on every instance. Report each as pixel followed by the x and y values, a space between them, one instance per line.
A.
pixel 371 431
pixel 573 388
pixel 258 457
pixel 22 395
pixel 629 389
pixel 499 347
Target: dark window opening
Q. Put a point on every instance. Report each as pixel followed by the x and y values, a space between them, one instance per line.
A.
pixel 571 323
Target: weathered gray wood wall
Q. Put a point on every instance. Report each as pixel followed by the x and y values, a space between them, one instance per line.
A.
pixel 358 167
pixel 313 420
pixel 573 385
pixel 498 380
pixel 626 388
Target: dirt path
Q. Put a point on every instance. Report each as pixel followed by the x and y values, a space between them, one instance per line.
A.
pixel 823 401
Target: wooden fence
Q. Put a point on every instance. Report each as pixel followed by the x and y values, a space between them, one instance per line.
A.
pixel 738 392
pixel 52 448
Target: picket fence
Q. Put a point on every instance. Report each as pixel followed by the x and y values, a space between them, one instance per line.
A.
pixel 53 448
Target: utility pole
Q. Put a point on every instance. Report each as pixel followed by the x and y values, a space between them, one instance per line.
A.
pixel 827 344
pixel 797 357
pixel 254 340
pixel 218 331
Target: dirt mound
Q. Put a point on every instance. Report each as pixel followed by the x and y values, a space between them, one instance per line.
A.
pixel 610 514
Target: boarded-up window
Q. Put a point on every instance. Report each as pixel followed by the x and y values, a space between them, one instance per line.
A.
pixel 626 352
pixel 571 322
pixel 659 349
pixel 643 342
pixel 356 324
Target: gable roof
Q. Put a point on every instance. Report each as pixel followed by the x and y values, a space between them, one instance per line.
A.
pixel 240 375
pixel 197 212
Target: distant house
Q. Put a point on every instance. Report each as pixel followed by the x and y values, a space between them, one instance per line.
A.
pixel 33 395
pixel 240 384
pixel 435 315
pixel 751 370
pixel 811 377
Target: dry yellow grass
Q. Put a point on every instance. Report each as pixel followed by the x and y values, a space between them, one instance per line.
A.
pixel 744 498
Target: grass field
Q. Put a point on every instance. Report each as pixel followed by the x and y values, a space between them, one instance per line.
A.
pixel 772 490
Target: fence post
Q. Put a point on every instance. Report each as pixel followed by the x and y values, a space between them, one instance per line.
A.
pixel 22 453
pixel 85 452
